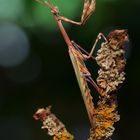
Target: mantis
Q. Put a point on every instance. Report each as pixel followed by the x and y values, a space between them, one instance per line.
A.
pixel 111 60
pixel 79 55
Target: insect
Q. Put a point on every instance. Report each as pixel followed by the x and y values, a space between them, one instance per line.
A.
pixel 78 55
pixel 110 58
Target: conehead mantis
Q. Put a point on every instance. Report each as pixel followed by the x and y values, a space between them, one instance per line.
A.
pixel 104 115
pixel 79 55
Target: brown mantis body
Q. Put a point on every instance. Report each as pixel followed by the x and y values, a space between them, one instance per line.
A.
pixel 78 58
pixel 103 117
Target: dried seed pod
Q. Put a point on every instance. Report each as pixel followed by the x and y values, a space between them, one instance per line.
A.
pixel 106 115
pixel 52 124
pixel 64 135
pixel 110 80
pixel 117 39
pixel 111 59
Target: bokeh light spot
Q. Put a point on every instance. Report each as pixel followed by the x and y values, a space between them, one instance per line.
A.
pixel 14 45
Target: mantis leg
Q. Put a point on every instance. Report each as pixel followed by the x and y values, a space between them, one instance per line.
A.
pixel 87 55
pixel 87 11
pixel 96 41
pixel 84 71
pixel 80 49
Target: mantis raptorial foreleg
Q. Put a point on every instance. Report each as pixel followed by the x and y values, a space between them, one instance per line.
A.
pixel 87 12
pixel 88 9
pixel 96 41
pixel 87 55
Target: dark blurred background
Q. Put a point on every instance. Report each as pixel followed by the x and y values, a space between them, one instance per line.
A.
pixel 35 69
